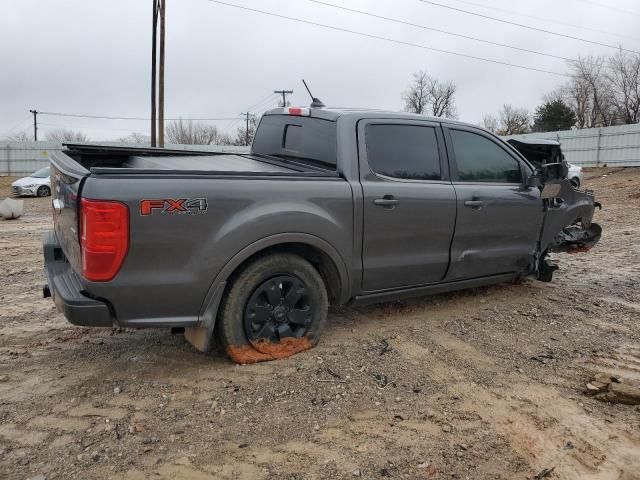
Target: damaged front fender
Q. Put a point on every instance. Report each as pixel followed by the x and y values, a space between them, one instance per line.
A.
pixel 568 223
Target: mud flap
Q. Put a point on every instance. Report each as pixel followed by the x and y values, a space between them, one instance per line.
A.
pixel 199 337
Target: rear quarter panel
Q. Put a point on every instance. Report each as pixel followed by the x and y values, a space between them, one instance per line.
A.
pixel 173 259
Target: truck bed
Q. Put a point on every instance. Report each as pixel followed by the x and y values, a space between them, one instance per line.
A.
pixel 81 159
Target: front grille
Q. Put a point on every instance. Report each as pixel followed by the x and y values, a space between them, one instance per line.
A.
pixel 16 190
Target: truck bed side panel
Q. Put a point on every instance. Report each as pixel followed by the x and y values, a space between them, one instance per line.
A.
pixel 173 258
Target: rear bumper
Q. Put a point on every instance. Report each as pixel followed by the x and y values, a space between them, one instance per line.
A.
pixel 64 286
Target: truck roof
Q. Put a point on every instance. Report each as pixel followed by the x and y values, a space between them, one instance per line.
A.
pixel 333 113
pixel 532 141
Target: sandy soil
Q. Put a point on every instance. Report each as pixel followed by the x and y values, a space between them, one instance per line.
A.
pixel 486 383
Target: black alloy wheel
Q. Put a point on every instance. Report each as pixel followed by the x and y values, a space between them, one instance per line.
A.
pixel 279 308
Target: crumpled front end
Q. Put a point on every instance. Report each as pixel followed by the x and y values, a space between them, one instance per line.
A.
pixel 568 224
pixel 577 238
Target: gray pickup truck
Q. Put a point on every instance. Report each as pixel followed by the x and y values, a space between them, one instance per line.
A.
pixel 331 206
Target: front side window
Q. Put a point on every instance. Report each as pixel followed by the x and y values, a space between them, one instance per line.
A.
pixel 403 151
pixel 480 160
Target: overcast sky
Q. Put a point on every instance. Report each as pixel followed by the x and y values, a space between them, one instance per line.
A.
pixel 93 57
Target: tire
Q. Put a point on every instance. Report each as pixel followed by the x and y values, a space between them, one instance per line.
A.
pixel 575 182
pixel 43 191
pixel 275 307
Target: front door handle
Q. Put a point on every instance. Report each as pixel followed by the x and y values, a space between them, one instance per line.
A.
pixel 475 204
pixel 388 201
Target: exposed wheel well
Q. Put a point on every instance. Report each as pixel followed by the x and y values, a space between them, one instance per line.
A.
pixel 320 260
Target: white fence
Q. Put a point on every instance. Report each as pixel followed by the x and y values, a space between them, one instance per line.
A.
pixel 597 147
pixel 19 159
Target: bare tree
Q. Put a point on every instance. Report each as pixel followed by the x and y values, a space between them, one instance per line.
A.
pixel 136 139
pixel 594 102
pixel 21 137
pixel 225 139
pixel 491 123
pixel 416 95
pixel 428 95
pixel 244 137
pixel 62 135
pixel 191 133
pixel 578 95
pixel 514 121
pixel 623 77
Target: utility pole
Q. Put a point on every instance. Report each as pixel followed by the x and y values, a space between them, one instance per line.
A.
pixel 35 125
pixel 154 58
pixel 284 94
pixel 163 5
pixel 248 115
pixel 157 65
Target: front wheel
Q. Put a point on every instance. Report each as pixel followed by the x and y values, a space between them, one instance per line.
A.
pixel 43 191
pixel 275 307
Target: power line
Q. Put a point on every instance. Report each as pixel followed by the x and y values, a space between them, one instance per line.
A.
pixel 424 27
pixel 386 39
pixel 598 4
pixel 268 103
pixel 267 98
pixel 18 124
pixel 525 26
pixel 548 20
pixel 57 125
pixel 108 117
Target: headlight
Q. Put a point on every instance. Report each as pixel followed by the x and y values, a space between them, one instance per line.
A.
pixel 28 186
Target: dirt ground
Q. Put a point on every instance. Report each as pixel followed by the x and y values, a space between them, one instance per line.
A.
pixel 485 383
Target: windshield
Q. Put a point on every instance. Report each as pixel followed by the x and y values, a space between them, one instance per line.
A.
pixel 43 173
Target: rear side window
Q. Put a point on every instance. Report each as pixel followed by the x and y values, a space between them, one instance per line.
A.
pixel 302 138
pixel 403 151
pixel 480 160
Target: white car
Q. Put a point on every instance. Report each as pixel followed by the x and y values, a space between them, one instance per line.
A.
pixel 38 184
pixel 575 175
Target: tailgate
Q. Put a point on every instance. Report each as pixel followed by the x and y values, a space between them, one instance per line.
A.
pixel 67 177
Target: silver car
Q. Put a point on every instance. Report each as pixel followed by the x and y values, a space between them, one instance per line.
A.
pixel 575 175
pixel 38 184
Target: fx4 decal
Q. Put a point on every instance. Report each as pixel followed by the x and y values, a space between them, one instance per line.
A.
pixel 169 206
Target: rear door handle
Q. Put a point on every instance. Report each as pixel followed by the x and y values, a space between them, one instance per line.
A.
pixel 475 204
pixel 387 201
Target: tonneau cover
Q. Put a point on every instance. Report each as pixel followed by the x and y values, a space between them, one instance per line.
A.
pixel 217 163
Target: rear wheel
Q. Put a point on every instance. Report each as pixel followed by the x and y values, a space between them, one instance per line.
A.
pixel 575 182
pixel 276 307
pixel 44 191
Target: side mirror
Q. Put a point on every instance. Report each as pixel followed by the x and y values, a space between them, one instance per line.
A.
pixel 533 181
pixel 554 172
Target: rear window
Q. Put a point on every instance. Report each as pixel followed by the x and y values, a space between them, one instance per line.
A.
pixel 302 138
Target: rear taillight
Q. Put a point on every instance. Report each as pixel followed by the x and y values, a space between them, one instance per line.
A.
pixel 104 238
